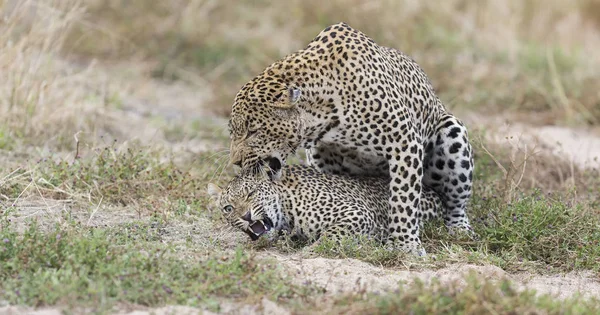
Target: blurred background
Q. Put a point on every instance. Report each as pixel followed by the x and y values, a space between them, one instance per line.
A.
pixel 510 57
pixel 532 55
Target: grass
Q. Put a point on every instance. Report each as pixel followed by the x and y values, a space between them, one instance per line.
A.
pixel 81 266
pixel 541 229
pixel 96 268
pixel 134 176
pixel 43 99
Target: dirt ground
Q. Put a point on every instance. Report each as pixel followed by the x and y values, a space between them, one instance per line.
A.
pixel 580 146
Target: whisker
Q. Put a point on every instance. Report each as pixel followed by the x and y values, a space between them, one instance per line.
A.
pixel 219 159
pixel 219 128
pixel 226 151
pixel 295 152
pixel 220 165
pixel 223 170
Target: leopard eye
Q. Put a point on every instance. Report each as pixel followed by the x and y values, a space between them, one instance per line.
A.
pixel 228 208
pixel 250 133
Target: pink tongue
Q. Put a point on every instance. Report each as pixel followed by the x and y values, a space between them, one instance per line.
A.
pixel 258 228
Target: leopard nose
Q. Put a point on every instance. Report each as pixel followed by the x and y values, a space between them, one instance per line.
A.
pixel 247 217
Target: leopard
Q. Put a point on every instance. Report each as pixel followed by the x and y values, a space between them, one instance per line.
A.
pixel 358 108
pixel 309 205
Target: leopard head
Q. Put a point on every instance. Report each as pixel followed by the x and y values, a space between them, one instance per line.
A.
pixel 266 125
pixel 250 203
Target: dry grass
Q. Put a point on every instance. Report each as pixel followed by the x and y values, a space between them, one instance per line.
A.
pixel 43 99
pixel 510 170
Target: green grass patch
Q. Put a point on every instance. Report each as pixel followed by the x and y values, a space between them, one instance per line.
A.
pixel 542 229
pixel 534 231
pixel 476 297
pixel 362 248
pixel 6 139
pixel 99 267
pixel 76 266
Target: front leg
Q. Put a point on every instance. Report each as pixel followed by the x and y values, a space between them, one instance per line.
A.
pixel 406 172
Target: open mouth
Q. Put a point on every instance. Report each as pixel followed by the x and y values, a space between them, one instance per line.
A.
pixel 274 166
pixel 259 228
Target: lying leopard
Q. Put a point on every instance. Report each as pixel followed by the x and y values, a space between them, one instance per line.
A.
pixel 358 108
pixel 309 204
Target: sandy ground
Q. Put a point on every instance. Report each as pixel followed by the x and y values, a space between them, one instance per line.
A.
pixel 580 146
pixel 335 275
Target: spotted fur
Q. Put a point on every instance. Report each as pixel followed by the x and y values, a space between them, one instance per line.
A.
pixel 358 108
pixel 308 204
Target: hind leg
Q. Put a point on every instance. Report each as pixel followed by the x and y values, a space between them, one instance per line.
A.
pixel 432 206
pixel 449 170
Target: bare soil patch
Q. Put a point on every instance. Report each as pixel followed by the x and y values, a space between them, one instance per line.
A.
pixel 578 145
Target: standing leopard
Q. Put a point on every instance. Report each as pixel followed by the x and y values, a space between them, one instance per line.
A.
pixel 309 204
pixel 358 108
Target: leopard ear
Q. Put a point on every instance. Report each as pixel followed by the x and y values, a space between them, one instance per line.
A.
pixel 293 96
pixel 213 190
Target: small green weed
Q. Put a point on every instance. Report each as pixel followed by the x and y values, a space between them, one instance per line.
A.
pixel 6 139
